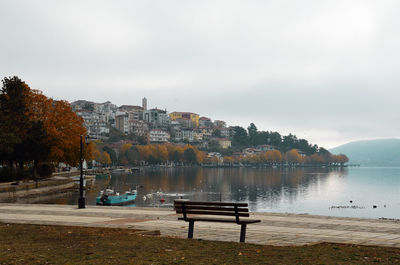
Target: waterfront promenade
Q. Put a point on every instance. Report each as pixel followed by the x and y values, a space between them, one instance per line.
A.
pixel 274 229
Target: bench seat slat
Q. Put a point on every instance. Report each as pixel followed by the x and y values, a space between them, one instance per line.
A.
pixel 210 208
pixel 238 204
pixel 221 220
pixel 202 212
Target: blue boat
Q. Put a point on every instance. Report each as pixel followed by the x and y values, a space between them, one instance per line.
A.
pixel 108 198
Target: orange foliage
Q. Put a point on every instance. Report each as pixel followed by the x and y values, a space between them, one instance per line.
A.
pixel 62 126
pixel 125 148
pixel 277 156
pixel 228 159
pixel 91 151
pixel 144 151
pixel 164 153
pixel 315 159
pixel 293 156
pixel 105 158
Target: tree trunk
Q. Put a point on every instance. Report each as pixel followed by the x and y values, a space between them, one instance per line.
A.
pixel 34 171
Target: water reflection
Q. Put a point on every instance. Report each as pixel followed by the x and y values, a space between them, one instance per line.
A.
pixel 293 190
pixel 260 187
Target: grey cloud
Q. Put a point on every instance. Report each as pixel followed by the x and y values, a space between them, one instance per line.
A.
pixel 326 70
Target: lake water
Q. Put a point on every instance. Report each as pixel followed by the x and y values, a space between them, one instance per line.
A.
pixel 350 192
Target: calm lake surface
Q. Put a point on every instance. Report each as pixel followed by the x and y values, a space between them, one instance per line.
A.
pixel 317 191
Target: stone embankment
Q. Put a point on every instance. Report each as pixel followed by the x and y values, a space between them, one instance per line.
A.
pixel 34 191
pixel 27 191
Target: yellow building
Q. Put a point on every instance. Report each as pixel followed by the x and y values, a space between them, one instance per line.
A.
pixel 185 115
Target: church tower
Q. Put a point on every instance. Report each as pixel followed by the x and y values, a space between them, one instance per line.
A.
pixel 144 103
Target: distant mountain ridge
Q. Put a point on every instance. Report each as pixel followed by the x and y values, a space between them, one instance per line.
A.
pixel 383 152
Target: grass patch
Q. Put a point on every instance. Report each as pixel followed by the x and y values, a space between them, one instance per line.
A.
pixel 38 244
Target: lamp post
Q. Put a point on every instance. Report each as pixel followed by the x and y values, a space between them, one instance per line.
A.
pixel 81 200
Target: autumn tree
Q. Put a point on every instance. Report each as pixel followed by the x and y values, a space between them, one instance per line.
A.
pixel 62 126
pixel 125 148
pixel 293 157
pixel 339 159
pixel 122 157
pixel 277 156
pixel 36 128
pixel 105 158
pixel 342 159
pixel 269 156
pixel 90 151
pixel 144 152
pixel 95 153
pixel 162 152
pixel 315 159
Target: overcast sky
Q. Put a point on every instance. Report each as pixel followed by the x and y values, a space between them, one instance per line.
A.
pixel 327 71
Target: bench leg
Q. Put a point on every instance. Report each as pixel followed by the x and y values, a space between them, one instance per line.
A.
pixel 191 227
pixel 242 232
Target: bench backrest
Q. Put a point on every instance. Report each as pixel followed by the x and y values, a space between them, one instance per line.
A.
pixel 212 208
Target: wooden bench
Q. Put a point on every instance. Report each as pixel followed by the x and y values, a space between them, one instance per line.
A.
pixel 194 211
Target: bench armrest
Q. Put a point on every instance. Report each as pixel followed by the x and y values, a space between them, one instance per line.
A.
pixel 237 214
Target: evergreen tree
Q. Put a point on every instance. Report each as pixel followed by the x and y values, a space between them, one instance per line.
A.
pixel 190 156
pixel 253 134
pixel 240 137
pixel 111 152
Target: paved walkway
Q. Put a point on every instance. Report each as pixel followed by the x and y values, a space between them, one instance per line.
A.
pixel 274 229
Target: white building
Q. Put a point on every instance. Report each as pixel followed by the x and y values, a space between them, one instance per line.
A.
pixel 157 118
pixel 197 135
pixel 265 147
pixel 158 136
pixel 108 110
pixel 95 124
pixel 187 135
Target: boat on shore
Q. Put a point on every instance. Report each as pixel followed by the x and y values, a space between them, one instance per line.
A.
pixel 135 169
pixel 118 170
pixel 109 198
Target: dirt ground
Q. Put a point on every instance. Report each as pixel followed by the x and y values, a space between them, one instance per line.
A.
pixel 36 244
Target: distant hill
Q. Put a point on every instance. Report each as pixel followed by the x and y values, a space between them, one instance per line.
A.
pixel 384 152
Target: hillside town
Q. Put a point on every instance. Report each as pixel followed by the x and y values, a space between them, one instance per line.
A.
pixel 139 125
pixel 152 125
